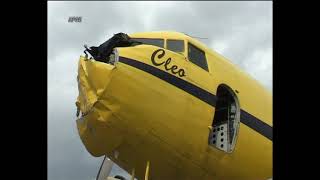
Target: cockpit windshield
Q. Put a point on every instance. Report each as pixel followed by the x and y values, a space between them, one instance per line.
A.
pixel 155 42
pixel 175 45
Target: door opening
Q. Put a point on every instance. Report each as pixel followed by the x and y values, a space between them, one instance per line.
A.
pixel 226 120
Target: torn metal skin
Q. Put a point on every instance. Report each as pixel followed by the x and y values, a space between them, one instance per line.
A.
pixel 97 112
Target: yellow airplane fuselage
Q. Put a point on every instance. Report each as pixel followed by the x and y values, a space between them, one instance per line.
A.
pixel 148 108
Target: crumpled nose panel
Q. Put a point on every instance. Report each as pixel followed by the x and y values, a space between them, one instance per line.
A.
pixel 94 126
pixel 93 77
pixel 98 131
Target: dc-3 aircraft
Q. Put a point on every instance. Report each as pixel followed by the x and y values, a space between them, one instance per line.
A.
pixel 163 106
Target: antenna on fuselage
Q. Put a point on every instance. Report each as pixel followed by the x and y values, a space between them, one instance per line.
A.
pixel 195 36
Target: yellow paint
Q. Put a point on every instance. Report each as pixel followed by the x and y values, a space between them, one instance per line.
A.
pixel 146 177
pixel 147 119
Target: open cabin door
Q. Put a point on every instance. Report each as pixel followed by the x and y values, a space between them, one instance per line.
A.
pixel 225 125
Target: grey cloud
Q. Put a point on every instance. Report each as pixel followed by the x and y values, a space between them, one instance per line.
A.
pixel 96 20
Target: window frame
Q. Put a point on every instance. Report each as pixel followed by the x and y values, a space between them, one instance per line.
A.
pixel 163 45
pixel 184 46
pixel 206 60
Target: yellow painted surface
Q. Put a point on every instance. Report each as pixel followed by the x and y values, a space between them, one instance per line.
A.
pixel 144 118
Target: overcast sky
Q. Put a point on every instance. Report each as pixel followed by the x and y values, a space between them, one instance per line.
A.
pixel 240 31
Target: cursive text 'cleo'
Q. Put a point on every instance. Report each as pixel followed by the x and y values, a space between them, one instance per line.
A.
pixel 166 63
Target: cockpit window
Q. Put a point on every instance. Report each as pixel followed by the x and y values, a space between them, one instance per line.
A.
pixel 175 45
pixel 155 42
pixel 197 56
